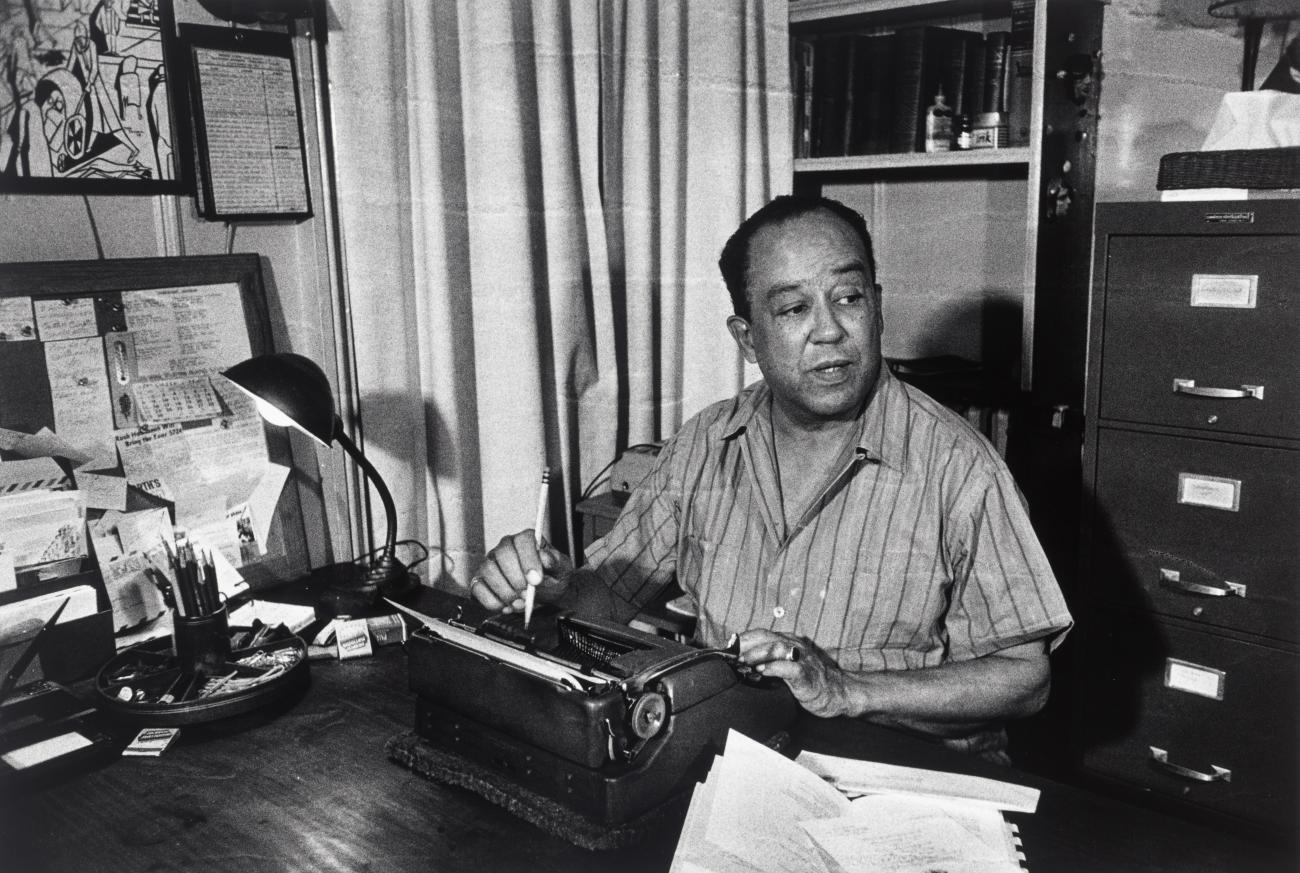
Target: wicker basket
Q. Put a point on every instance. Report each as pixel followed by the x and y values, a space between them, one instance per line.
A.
pixel 1239 168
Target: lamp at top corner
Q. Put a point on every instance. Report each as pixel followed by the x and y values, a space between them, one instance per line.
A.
pixel 291 391
pixel 1253 14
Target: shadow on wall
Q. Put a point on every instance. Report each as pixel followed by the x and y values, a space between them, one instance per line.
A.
pixel 412 428
pixel 987 330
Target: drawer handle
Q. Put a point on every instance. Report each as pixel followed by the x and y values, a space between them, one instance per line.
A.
pixel 1189 386
pixel 1160 760
pixel 1172 579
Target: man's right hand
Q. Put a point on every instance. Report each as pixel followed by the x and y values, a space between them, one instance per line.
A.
pixel 516 562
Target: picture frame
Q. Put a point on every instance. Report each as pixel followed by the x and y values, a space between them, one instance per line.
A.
pixel 250 155
pixel 91 103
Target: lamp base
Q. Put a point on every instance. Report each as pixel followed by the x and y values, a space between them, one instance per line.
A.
pixel 357 591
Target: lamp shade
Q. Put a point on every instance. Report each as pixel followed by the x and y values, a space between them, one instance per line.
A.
pixel 291 390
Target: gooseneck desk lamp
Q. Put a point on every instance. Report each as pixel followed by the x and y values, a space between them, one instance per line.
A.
pixel 291 391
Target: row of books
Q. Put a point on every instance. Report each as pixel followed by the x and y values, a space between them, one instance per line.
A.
pixel 872 93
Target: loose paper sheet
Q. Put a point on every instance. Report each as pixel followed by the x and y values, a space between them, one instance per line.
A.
pixel 83 415
pixel 42 444
pixel 183 332
pixel 29 474
pixel 759 801
pixel 870 777
pixel 16 320
pixel 102 490
pixel 70 318
pixel 901 834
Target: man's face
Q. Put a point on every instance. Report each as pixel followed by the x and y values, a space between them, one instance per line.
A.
pixel 814 326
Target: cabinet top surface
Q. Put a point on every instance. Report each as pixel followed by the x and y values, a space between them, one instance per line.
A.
pixel 1200 217
pixel 813 10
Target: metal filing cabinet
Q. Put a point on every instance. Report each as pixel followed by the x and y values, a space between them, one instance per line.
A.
pixel 1188 614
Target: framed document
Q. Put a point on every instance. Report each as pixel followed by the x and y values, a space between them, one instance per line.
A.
pixel 251 161
pixel 88 108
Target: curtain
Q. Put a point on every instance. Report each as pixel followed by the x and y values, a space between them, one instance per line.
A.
pixel 531 200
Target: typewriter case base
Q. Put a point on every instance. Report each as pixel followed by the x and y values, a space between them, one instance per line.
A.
pixel 557 742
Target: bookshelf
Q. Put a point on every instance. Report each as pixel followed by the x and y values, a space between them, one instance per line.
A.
pixel 911 161
pixel 985 254
pixel 906 196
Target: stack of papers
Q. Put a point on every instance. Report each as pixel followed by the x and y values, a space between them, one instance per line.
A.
pixel 760 811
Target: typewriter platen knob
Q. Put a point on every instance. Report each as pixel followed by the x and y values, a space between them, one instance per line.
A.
pixel 649 714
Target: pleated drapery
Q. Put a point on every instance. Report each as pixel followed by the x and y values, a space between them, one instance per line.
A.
pixel 531 199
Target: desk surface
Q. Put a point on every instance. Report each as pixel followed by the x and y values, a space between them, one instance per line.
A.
pixel 312 790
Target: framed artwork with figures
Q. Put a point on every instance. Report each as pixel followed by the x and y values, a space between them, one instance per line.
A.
pixel 87 104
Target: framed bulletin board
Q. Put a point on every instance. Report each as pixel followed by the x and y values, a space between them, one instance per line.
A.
pixel 250 158
pixel 112 371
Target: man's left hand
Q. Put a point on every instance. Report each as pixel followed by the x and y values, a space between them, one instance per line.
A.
pixel 815 680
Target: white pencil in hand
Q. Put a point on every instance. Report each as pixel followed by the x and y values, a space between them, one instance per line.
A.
pixel 530 593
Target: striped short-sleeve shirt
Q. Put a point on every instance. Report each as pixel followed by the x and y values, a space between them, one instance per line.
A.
pixel 917 552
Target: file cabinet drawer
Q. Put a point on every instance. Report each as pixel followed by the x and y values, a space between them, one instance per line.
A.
pixel 1196 326
pixel 1208 720
pixel 1203 530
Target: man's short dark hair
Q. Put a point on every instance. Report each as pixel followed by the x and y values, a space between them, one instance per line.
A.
pixel 734 261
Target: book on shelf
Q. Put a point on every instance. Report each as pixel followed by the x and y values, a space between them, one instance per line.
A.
pixel 760 811
pixel 972 98
pixel 1020 72
pixel 996 52
pixel 873 94
pixel 851 61
pixel 830 94
pixel 927 60
pixel 801 87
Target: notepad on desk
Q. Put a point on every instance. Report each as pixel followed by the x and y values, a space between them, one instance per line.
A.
pixel 294 616
pixel 760 811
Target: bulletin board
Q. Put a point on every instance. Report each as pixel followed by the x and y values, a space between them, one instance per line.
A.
pixel 113 368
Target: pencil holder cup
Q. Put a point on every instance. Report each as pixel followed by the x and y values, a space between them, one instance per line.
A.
pixel 202 644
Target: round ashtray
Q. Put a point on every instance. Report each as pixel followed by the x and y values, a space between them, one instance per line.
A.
pixel 148 684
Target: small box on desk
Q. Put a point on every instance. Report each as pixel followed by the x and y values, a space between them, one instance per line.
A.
pixel 76 646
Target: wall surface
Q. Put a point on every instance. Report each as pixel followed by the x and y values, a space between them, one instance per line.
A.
pixel 1166 66
pixel 295 263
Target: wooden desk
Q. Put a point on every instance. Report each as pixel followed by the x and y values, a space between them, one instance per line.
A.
pixel 312 790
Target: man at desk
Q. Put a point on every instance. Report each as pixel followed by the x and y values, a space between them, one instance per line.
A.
pixel 869 547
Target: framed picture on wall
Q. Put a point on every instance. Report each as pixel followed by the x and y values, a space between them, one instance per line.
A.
pixel 86 105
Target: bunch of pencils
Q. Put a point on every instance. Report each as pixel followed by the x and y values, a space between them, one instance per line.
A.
pixel 195 594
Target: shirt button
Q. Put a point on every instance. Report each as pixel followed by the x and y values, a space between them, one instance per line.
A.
pixel 779 612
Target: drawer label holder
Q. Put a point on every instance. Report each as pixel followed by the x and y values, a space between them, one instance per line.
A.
pixel 1214 492
pixel 1224 291
pixel 1183 675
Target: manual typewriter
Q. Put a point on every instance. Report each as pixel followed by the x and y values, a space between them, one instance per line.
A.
pixel 605 719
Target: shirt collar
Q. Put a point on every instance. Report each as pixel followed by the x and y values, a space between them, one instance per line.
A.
pixel 882 433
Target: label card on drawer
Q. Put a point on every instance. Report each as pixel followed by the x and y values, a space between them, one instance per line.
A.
pixel 1229 292
pixel 1215 492
pixel 1194 679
